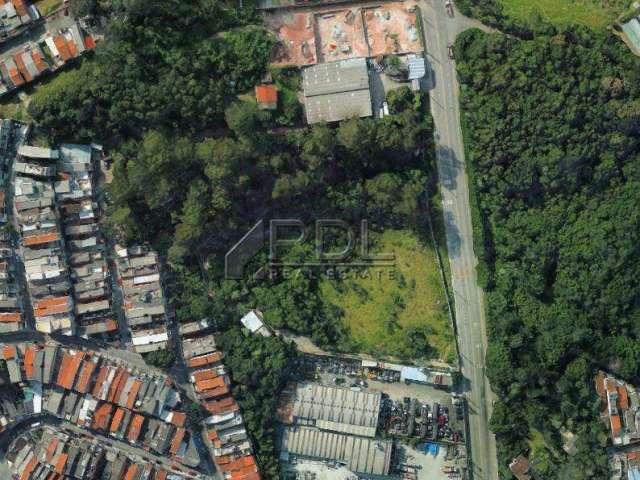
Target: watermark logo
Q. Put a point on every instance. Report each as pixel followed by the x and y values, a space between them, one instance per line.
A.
pixel 336 244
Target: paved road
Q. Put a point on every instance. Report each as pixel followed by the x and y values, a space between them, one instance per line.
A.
pixel 440 31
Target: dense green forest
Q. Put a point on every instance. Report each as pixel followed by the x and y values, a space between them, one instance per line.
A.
pixel 553 140
pixel 196 164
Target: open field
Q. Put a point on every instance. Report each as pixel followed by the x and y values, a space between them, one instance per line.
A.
pixel 403 314
pixel 560 12
pixel 45 7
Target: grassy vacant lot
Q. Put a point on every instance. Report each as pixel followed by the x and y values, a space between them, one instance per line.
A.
pixel 592 13
pixel 403 315
pixel 45 7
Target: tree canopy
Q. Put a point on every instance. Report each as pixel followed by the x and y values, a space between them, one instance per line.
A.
pixel 553 132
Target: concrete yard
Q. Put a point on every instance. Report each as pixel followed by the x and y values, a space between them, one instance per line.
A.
pixel 341 35
pixel 392 29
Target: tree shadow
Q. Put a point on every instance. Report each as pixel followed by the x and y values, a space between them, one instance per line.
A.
pixel 454 240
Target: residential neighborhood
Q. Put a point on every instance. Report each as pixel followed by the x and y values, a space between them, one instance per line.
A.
pixel 319 240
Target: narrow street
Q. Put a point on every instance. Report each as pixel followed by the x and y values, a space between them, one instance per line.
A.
pixel 440 31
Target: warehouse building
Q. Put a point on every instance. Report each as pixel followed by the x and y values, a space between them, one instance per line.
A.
pixel 337 91
pixel 337 409
pixel 361 455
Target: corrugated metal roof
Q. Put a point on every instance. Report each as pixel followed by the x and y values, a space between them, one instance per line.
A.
pixel 361 455
pixel 338 409
pixel 417 67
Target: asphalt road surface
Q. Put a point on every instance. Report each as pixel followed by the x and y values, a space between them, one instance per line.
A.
pixel 440 31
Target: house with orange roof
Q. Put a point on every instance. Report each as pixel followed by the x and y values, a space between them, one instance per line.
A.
pixel 29 359
pixel 620 406
pixel 135 428
pixel 133 394
pixel 203 360
pixel 102 416
pixel 117 420
pixel 131 472
pixel 210 384
pixel 9 352
pixel 177 441
pixel 61 463
pixel 267 97
pixel 178 418
pixel 86 374
pixel 69 369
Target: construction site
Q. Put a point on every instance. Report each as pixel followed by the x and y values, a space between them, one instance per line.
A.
pixel 317 35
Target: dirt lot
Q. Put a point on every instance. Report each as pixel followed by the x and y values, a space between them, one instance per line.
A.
pixel 296 35
pixel 315 35
pixel 341 35
pixel 392 29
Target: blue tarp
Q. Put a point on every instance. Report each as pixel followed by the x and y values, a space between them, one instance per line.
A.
pixel 433 449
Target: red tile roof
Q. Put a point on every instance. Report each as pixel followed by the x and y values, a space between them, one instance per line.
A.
pixel 215 393
pixel 210 384
pixel 133 469
pixel 177 440
pixel 205 375
pixel 117 419
pixel 623 398
pixel 69 369
pixel 84 379
pixel 73 49
pixel 51 449
pixel 178 419
pixel 61 46
pixel 161 475
pixel 29 358
pixel 22 67
pixel 38 61
pixel 21 7
pixel 62 461
pixel 40 239
pixel 133 394
pixel 10 317
pixel 26 473
pixel 100 379
pixel 266 94
pixel 89 42
pixel 102 416
pixel 226 405
pixel 205 360
pixel 15 76
pixel 10 352
pixel 135 427
pixel 113 388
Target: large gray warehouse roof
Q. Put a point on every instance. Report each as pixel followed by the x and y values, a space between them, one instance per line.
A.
pixel 338 409
pixel 335 77
pixel 336 91
pixel 361 455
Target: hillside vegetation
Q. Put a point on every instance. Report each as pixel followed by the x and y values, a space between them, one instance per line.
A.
pixel 553 138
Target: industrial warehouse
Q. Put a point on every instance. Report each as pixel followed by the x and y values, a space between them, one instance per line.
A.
pixel 338 425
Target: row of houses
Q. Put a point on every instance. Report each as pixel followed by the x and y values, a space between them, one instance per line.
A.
pixel 42 246
pixel 85 245
pixel 31 60
pixel 55 454
pixel 11 315
pixel 232 449
pixel 620 408
pixel 15 17
pixel 138 271
pixel 102 395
